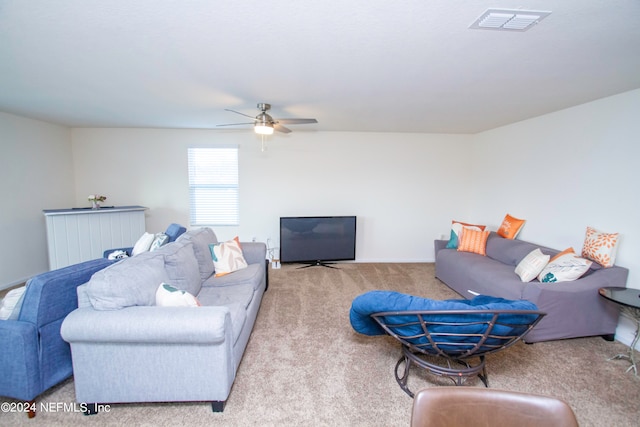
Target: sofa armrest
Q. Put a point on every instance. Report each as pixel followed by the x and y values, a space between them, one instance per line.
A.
pixel 175 325
pixel 19 365
pixel 254 252
pixel 439 244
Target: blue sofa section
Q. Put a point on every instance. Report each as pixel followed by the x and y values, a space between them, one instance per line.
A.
pixel 33 355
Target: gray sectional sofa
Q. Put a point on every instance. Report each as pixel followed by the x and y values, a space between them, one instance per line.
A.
pixel 574 309
pixel 126 349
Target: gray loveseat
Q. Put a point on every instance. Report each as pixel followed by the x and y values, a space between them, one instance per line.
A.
pixel 574 309
pixel 126 349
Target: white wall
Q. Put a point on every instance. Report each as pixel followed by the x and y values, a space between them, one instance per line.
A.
pixel 563 172
pixel 397 184
pixel 36 173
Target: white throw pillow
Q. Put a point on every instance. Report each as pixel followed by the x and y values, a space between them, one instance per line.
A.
pixel 170 296
pixel 143 244
pixel 531 265
pixel 11 304
pixel 565 268
pixel 600 247
pixel 227 257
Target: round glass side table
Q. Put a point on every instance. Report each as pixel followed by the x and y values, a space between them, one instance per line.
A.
pixel 629 301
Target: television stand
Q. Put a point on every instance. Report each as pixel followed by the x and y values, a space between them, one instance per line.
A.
pixel 320 264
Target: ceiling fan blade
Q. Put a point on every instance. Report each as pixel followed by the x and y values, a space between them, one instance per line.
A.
pixel 236 124
pixel 280 128
pixel 238 112
pixel 296 121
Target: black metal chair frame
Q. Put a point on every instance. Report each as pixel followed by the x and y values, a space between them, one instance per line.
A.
pixel 460 359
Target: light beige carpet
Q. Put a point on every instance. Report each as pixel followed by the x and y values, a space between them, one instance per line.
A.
pixel 305 366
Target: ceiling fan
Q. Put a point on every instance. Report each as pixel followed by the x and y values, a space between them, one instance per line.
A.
pixel 264 124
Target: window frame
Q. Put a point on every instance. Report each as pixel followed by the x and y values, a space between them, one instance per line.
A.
pixel 223 208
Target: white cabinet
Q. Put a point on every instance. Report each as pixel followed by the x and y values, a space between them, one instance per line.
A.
pixel 76 235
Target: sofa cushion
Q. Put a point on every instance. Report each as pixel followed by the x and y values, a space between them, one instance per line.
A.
pixel 201 239
pixel 511 252
pixel 182 266
pixel 132 281
pixel 253 274
pixel 224 295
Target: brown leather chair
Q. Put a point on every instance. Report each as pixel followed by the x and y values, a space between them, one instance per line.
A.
pixel 475 407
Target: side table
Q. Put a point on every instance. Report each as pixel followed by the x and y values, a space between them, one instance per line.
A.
pixel 629 301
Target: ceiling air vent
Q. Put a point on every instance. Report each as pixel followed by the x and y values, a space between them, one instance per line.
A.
pixel 509 19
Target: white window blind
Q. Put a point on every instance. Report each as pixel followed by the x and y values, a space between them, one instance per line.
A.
pixel 213 186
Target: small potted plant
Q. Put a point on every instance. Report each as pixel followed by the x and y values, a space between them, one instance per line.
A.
pixel 96 200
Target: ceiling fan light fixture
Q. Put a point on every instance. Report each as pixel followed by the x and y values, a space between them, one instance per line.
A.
pixel 263 128
pixel 264 124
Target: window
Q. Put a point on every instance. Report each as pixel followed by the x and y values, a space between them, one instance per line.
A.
pixel 213 186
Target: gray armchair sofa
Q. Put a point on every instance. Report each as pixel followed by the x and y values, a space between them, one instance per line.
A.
pixel 127 349
pixel 574 309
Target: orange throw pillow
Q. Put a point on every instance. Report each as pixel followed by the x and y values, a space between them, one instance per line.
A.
pixel 566 251
pixel 456 230
pixel 474 241
pixel 510 227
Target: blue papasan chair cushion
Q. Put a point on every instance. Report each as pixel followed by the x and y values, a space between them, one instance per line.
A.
pixel 462 326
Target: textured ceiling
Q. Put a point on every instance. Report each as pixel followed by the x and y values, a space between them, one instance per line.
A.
pixel 357 65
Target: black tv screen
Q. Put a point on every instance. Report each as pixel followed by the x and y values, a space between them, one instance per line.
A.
pixel 315 240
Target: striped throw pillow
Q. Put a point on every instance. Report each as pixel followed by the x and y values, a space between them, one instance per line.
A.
pixel 473 241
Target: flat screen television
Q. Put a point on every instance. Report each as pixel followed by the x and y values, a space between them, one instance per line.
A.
pixel 317 240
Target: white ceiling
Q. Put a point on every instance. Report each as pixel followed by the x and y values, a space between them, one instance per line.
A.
pixel 357 65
